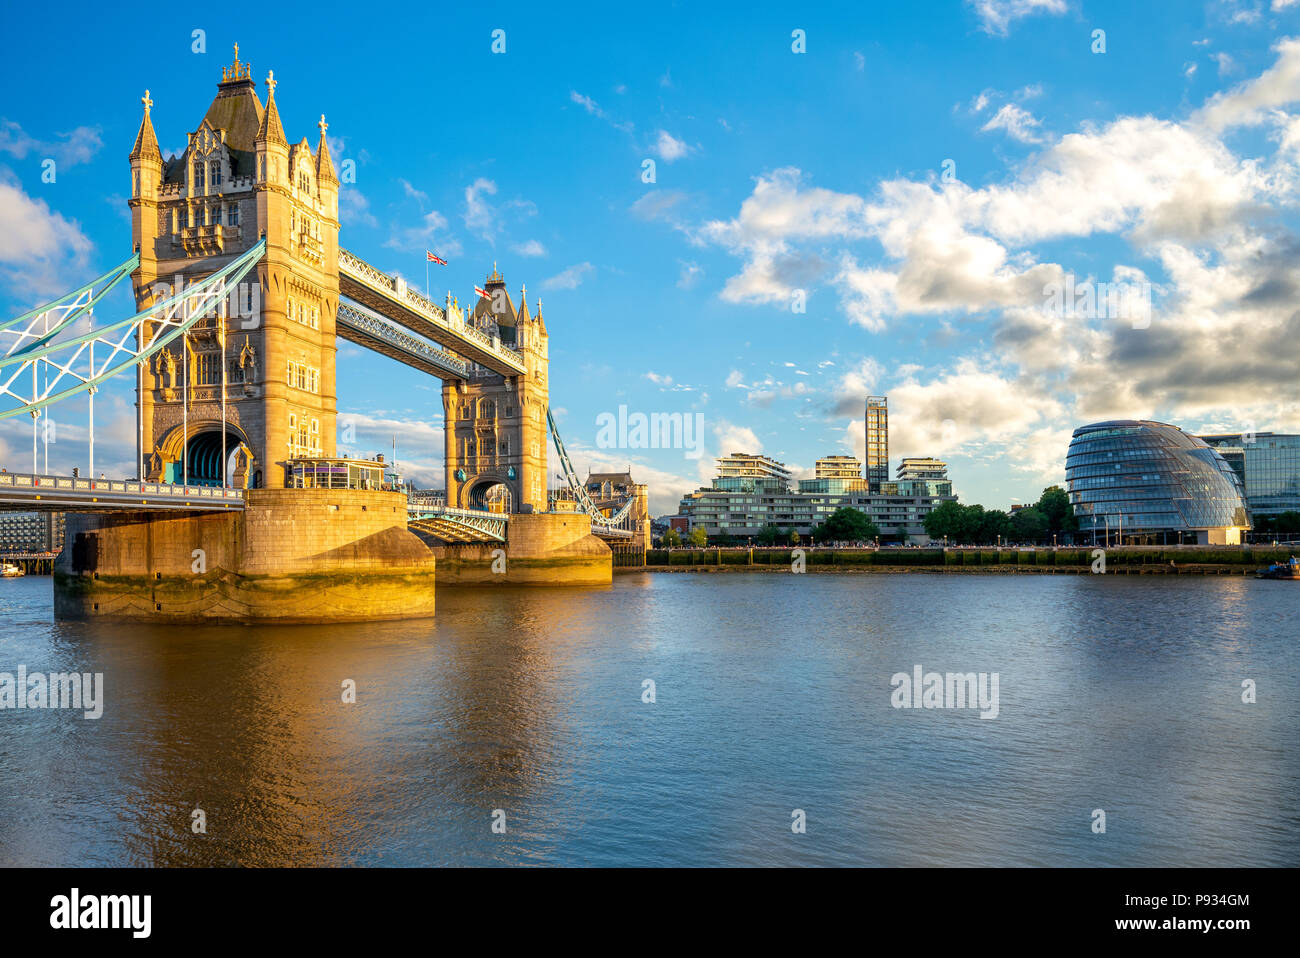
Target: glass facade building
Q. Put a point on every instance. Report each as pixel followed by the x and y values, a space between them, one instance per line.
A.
pixel 1149 481
pixel 1269 466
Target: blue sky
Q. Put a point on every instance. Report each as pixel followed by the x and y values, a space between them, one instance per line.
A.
pixel 1168 162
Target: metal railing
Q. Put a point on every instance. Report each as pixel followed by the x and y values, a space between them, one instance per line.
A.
pixel 25 487
pixel 355 268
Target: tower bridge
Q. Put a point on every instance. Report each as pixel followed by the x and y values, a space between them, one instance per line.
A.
pixel 242 292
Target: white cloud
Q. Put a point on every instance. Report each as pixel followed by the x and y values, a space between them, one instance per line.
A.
pixel 428 235
pixel 530 247
pixel 996 16
pixel 733 438
pixel 1018 123
pixel 480 217
pixel 669 147
pixel 354 208
pixel 570 278
pixel 587 103
pixel 411 191
pixel 41 252
pixel 1248 103
pixel 70 149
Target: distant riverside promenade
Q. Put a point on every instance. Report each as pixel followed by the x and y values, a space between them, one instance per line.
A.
pixel 1119 560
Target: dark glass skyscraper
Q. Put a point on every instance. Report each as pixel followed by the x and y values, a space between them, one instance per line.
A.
pixel 1153 482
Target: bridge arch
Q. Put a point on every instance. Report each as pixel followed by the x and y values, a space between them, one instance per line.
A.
pixel 489 493
pixel 204 453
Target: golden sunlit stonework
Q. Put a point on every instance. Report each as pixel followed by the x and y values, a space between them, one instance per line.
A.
pixel 271 348
pixel 496 435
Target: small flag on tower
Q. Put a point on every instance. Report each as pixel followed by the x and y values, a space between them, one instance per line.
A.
pixel 482 292
pixel 432 258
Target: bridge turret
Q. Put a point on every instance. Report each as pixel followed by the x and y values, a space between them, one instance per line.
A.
pixel 327 182
pixel 146 178
pixel 270 143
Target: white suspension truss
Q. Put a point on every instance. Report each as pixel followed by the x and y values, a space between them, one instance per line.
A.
pixel 615 524
pixel 71 365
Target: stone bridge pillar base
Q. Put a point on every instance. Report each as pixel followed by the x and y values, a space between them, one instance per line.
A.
pixel 293 555
pixel 543 549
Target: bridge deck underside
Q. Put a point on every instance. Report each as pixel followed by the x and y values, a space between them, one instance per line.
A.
pixel 375 334
pixel 450 530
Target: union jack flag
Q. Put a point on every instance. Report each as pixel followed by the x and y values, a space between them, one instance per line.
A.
pixel 432 258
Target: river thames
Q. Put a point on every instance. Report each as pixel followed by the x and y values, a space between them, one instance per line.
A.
pixel 772 693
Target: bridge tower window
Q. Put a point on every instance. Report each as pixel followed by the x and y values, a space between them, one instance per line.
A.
pixel 209 369
pixel 199 169
pixel 216 174
pixel 232 214
pixel 487 409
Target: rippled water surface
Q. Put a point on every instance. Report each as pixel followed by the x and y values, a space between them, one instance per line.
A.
pixel 772 694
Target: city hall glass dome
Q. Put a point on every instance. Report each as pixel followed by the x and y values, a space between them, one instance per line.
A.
pixel 1154 482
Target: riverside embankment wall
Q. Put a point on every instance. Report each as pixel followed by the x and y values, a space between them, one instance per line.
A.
pixel 1126 560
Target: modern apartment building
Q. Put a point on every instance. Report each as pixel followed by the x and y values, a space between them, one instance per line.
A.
pixel 741 465
pixel 924 467
pixel 741 506
pixel 31 531
pixel 839 467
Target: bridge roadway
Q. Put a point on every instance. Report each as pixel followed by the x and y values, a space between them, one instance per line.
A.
pixel 26 492
pixel 392 299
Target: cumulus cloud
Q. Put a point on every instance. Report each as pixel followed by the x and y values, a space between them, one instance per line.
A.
pixel 42 253
pixel 1248 103
pixel 733 438
pixel 1202 230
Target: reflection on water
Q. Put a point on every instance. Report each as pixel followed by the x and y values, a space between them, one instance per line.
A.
pixel 773 693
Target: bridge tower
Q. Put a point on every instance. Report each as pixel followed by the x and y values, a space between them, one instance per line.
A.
pixel 496 432
pixel 271 346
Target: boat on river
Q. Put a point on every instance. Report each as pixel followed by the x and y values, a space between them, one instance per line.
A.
pixel 1281 570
